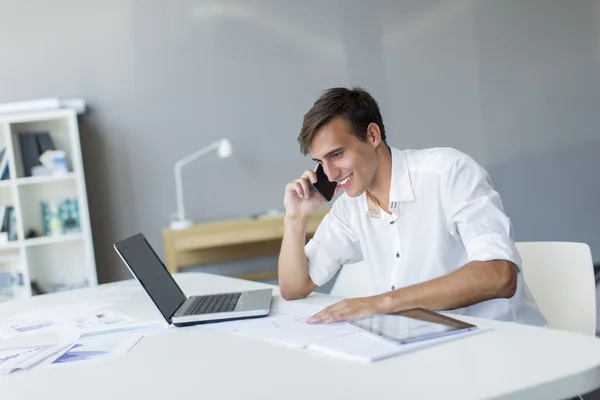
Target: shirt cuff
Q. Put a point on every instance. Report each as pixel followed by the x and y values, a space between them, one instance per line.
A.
pixel 493 247
pixel 321 266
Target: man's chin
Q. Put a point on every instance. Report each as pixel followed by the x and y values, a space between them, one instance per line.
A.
pixel 353 193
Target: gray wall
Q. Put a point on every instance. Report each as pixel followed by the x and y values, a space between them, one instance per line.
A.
pixel 514 83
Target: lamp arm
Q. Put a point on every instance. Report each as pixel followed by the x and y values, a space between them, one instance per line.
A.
pixel 178 179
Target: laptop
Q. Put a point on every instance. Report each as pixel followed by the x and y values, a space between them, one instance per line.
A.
pixel 175 307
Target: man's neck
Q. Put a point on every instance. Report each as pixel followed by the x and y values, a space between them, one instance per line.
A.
pixel 380 188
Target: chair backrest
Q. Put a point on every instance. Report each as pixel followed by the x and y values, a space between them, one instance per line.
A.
pixel 353 280
pixel 560 276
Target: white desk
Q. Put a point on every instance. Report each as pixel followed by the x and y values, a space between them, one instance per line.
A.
pixel 510 362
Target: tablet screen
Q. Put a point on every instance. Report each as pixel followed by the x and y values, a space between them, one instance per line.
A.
pixel 412 325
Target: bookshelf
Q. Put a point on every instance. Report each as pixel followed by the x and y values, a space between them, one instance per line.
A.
pixel 54 253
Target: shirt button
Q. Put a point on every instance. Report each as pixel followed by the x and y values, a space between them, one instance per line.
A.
pixel 393 287
pixel 392 223
pixel 397 254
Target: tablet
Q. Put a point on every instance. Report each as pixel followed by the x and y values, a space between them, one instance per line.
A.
pixel 412 325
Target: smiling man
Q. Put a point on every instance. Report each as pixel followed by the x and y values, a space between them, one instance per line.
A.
pixel 428 223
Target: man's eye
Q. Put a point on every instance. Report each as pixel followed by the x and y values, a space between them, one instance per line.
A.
pixel 336 155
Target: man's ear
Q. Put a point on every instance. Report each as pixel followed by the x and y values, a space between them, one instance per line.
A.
pixel 373 134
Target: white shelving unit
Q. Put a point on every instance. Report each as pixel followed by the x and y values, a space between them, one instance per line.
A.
pixel 53 262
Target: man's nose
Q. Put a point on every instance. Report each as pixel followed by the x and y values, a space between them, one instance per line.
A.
pixel 331 171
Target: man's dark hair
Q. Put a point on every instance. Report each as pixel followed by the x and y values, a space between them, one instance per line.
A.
pixel 354 105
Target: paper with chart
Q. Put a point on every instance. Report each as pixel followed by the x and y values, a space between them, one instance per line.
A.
pixel 89 349
pixel 82 332
pixel 91 346
pixel 68 321
pixel 286 324
pixel 145 328
pixel 97 348
pixel 12 360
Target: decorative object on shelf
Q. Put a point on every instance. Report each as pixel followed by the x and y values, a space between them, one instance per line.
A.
pixel 54 162
pixel 60 216
pixel 36 289
pixel 224 150
pixel 31 233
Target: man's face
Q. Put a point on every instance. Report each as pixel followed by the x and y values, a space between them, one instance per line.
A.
pixel 345 159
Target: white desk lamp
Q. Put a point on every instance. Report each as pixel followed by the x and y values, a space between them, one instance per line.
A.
pixel 224 150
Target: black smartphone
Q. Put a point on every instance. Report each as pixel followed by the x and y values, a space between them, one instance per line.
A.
pixel 323 186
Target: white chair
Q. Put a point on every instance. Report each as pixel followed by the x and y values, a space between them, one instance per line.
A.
pixel 560 276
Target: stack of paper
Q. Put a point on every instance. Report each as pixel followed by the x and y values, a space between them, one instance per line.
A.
pixel 12 360
pixel 67 321
pixel 90 349
pixel 85 333
pixel 286 324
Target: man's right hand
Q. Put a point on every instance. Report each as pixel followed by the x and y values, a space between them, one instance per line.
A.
pixel 301 199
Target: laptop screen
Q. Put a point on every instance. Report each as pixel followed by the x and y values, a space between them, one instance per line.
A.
pixel 152 274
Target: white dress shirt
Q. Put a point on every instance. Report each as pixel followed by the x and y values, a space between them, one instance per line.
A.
pixel 445 213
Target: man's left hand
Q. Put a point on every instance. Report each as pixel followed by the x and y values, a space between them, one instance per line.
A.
pixel 349 309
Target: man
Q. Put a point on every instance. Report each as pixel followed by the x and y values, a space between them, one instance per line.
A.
pixel 428 223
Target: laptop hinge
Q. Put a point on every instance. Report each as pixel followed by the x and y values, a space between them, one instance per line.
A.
pixel 175 312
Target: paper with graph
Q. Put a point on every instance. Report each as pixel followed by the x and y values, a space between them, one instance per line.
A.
pixel 68 321
pixel 97 348
pixel 12 360
pixel 286 324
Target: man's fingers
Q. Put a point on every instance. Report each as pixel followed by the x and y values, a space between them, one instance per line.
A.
pixel 325 313
pixel 333 317
pixel 302 185
pixel 315 319
pixel 310 175
pixel 319 317
pixel 305 188
pixel 296 187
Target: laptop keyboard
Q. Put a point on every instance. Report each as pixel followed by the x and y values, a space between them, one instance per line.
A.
pixel 215 303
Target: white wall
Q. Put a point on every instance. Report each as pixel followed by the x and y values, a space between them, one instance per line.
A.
pixel 514 83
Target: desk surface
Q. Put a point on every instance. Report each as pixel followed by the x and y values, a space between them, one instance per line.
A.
pixel 510 362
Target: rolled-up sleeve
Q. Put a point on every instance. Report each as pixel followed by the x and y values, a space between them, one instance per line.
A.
pixel 334 244
pixel 474 212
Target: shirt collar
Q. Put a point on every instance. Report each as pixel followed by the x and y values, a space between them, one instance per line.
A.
pixel 400 187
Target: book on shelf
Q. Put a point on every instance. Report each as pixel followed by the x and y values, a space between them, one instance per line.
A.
pixel 3 163
pixel 33 145
pixel 8 221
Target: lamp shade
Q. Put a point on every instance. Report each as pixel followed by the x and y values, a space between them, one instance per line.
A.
pixel 224 149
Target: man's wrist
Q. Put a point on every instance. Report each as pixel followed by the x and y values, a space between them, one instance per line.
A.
pixel 295 220
pixel 386 303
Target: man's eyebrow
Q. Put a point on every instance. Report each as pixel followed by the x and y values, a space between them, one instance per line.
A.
pixel 329 154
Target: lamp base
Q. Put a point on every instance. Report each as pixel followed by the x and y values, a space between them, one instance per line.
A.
pixel 186 223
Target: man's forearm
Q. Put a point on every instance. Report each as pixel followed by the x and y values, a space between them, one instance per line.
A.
pixel 294 281
pixel 475 282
